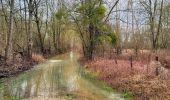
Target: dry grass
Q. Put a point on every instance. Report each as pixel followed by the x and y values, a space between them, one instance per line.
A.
pixel 140 80
pixel 19 64
pixel 38 58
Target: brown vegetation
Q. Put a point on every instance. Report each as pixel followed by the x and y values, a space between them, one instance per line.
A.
pixel 19 64
pixel 38 58
pixel 139 79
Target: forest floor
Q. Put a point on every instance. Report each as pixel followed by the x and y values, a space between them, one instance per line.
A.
pixel 139 81
pixel 18 65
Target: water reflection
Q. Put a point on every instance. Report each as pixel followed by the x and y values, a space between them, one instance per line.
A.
pixel 56 79
pixel 71 55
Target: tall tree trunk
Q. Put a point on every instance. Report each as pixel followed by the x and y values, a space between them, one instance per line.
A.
pixel 39 32
pixel 30 42
pixel 91 46
pixel 159 23
pixel 25 17
pixel 38 23
pixel 9 52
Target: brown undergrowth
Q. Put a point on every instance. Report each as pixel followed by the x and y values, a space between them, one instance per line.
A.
pixel 139 80
pixel 19 64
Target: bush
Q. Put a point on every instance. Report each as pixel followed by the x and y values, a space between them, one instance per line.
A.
pixel 37 58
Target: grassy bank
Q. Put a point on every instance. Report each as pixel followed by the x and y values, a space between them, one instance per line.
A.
pixel 93 77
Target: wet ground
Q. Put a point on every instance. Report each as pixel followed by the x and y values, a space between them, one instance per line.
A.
pixel 59 78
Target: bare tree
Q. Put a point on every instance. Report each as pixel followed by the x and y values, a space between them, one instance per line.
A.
pixel 151 8
pixel 29 34
pixel 9 51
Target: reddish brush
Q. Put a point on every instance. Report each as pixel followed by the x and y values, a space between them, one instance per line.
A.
pixel 140 80
pixel 37 57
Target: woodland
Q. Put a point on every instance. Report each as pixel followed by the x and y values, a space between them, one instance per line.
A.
pixel 124 43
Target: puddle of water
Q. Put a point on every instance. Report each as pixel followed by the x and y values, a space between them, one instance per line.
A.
pixel 57 79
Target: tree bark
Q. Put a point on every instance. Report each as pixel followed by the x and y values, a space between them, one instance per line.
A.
pixel 37 20
pixel 30 42
pixel 9 52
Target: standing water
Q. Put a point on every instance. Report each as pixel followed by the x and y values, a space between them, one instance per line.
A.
pixel 59 78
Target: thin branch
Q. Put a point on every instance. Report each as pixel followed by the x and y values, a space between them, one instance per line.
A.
pixel 111 10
